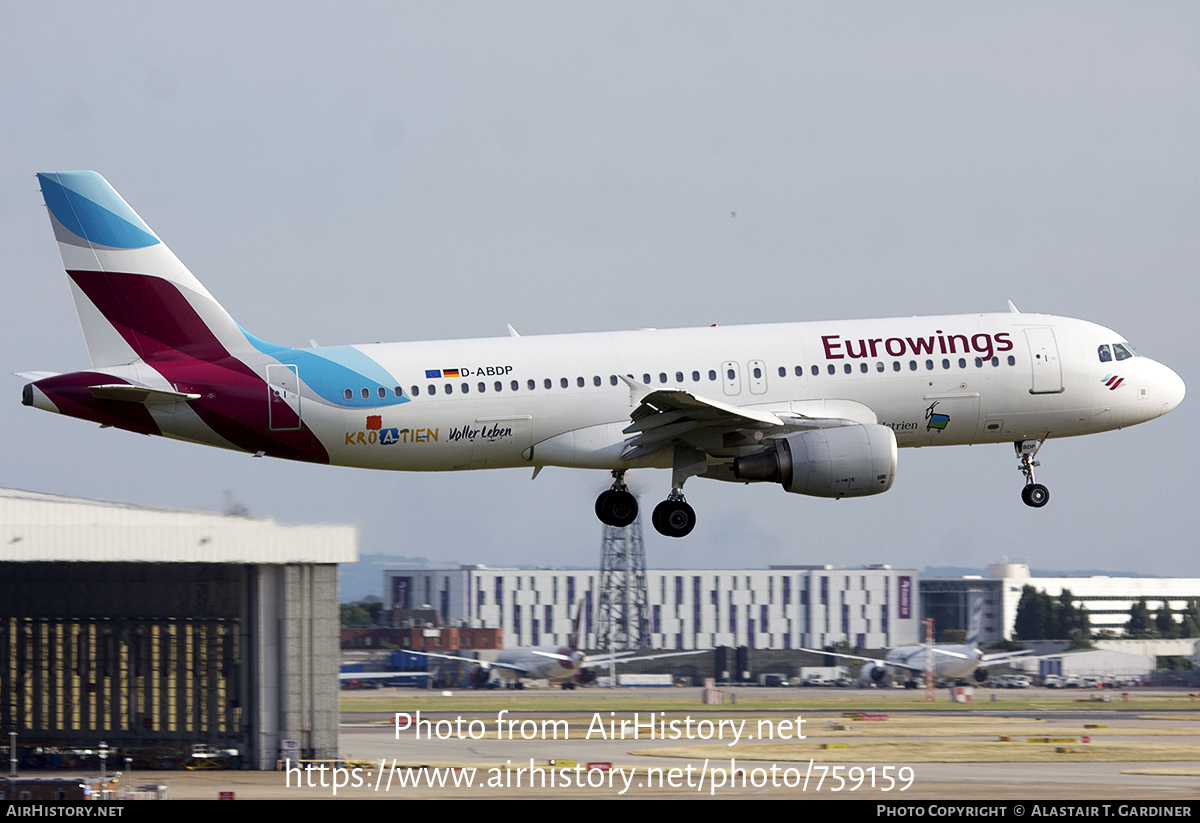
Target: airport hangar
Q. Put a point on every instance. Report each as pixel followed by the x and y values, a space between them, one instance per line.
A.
pixel 154 630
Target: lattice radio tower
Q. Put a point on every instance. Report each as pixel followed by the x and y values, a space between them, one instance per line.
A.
pixel 622 621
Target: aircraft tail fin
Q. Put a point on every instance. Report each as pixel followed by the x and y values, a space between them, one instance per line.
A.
pixel 577 627
pixel 975 628
pixel 135 299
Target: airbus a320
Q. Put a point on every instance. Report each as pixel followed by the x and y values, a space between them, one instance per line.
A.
pixel 818 407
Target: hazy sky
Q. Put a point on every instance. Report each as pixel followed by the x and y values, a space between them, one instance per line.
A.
pixel 356 172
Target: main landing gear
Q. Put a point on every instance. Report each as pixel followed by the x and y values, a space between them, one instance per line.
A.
pixel 674 517
pixel 617 506
pixel 1034 494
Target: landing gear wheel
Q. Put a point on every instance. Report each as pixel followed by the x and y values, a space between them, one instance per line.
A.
pixel 1035 495
pixel 674 518
pixel 616 508
pixel 602 504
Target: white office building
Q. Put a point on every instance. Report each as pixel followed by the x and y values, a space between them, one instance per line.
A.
pixel 782 607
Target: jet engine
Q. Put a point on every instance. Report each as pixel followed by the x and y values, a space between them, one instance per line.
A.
pixel 874 673
pixel 854 460
pixel 478 676
pixel 980 674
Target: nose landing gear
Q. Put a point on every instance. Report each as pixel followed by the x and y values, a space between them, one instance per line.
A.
pixel 1034 494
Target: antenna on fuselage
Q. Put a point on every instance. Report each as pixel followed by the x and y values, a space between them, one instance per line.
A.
pixel 1013 308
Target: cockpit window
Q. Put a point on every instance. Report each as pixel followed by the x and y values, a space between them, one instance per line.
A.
pixel 1105 354
pixel 1123 351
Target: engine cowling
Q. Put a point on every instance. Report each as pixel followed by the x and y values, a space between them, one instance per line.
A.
pixel 854 460
pixel 980 674
pixel 478 677
pixel 874 673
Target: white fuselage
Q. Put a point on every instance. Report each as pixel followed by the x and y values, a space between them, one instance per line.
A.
pixel 559 400
pixel 950 666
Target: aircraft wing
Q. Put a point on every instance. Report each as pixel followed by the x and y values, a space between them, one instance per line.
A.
pixel 483 664
pixel 847 656
pixel 670 416
pixel 665 416
pixel 628 657
pixel 988 658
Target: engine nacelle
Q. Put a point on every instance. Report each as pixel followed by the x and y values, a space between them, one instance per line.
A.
pixel 980 674
pixel 478 677
pixel 854 460
pixel 874 673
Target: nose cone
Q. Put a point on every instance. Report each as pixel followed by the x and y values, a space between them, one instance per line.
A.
pixel 1171 388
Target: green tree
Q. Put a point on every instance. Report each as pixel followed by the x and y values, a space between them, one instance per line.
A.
pixel 1033 615
pixel 1164 621
pixel 1189 623
pixel 1141 622
pixel 354 615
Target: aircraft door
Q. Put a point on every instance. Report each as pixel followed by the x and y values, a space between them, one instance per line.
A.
pixel 283 398
pixel 756 372
pixel 1047 368
pixel 731 378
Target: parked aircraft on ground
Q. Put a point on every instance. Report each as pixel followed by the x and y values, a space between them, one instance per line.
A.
pixel 818 407
pixel 950 662
pixel 566 665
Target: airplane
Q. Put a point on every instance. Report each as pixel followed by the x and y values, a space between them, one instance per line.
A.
pixel 565 665
pixel 818 407
pixel 950 662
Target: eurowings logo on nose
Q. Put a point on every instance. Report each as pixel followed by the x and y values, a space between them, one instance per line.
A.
pixel 1112 381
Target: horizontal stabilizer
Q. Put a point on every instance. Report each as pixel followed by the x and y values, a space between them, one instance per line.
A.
pixel 139 394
